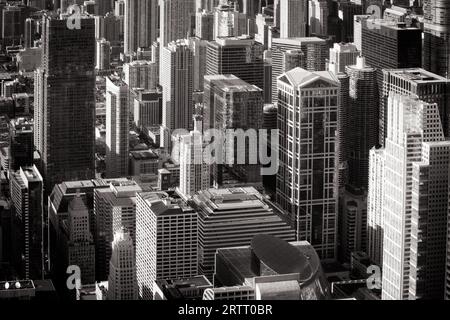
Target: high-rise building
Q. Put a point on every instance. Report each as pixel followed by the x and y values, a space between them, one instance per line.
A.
pixel 122 281
pixel 416 169
pixel 348 9
pixel 241 56
pixel 109 27
pixel 341 56
pixel 233 104
pixel 419 83
pixel 21 143
pixel 177 83
pixel 437 37
pixel 175 20
pixel 141 24
pixel 102 55
pixel 141 74
pixel 65 101
pixel 307 181
pixel 114 208
pixel 375 199
pixel 319 12
pixel 79 248
pixel 117 128
pixel 194 170
pixel 12 25
pixel 228 21
pixel 27 199
pixel 315 52
pixel 293 18
pixel 198 47
pixel 166 240
pixel 231 218
pixel 204 25
pixel 361 132
pixel 147 108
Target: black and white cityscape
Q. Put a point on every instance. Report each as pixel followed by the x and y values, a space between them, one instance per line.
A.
pixel 205 150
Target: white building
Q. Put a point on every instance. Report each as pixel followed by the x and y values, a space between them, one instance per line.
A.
pixel 415 200
pixel 122 283
pixel 166 241
pixel 175 19
pixel 194 171
pixel 117 128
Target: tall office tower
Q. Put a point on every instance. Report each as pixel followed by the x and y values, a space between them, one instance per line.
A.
pixel 175 20
pixel 242 210
pixel 375 198
pixel 229 22
pixel 30 32
pixel 416 167
pixel 341 56
pixel 194 170
pixel 319 12
pixel 242 57
pixel 204 25
pixel 199 49
pixel 27 199
pixel 117 128
pixel 12 28
pixel 141 24
pixel 293 59
pixel 232 103
pixel 437 37
pixel 307 180
pixel 264 23
pixel 141 74
pixel 147 108
pixel 348 10
pixel 102 55
pixel 293 18
pixel 166 241
pixel 21 143
pixel 122 281
pixel 65 101
pixel 361 133
pixel 78 241
pixel 416 82
pixel 176 76
pixel 315 52
pixel 109 27
pixel 114 208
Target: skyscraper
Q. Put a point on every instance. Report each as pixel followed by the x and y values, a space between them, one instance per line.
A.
pixel 194 171
pixel 177 82
pixel 27 199
pixel 141 24
pixel 361 133
pixel 307 181
pixel 293 18
pixel 436 53
pixel 114 208
pixel 65 101
pixel 228 22
pixel 141 74
pixel 418 83
pixel 233 104
pixel 117 128
pixel 314 50
pixel 122 281
pixel 166 240
pixel 175 19
pixel 416 167
pixel 239 56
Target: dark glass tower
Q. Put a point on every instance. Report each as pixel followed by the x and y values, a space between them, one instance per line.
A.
pixel 65 101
